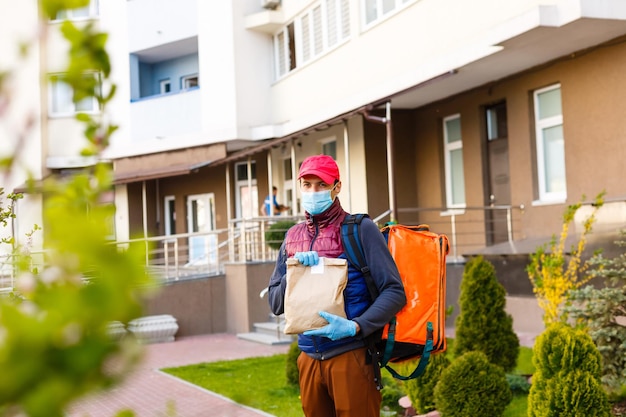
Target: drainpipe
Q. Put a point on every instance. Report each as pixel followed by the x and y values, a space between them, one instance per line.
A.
pixel 346 147
pixel 270 184
pixel 294 180
pixel 390 161
pixel 144 209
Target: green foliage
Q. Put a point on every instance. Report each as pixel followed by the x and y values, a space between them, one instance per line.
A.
pixel 598 311
pixel 553 272
pixel 56 345
pixel 421 390
pixel 275 235
pixel 391 392
pixel 471 386
pixel 7 212
pixel 567 379
pixel 291 367
pixel 519 384
pixel 483 324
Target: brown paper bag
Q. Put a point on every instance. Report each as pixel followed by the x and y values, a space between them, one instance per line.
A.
pixel 311 289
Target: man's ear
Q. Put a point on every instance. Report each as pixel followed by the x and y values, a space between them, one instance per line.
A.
pixel 337 188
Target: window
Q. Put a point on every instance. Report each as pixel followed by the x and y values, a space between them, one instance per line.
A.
pixel 170 215
pixel 322 27
pixel 165 86
pixel 287 169
pixel 86 12
pixel 550 144
pixel 189 81
pixel 62 102
pixel 285 45
pixel 453 160
pixel 329 148
pixel 375 10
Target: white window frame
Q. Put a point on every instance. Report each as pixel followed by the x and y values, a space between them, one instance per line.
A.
pixel 243 207
pixel 61 102
pixel 184 81
pixel 309 47
pixel 164 85
pixel 92 11
pixel 546 196
pixel 379 15
pixel 448 149
pixel 324 143
pixel 203 245
pixel 168 214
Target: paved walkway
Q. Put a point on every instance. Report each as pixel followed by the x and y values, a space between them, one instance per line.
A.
pixel 151 393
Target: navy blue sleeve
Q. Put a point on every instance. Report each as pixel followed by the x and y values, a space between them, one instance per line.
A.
pixel 386 277
pixel 278 283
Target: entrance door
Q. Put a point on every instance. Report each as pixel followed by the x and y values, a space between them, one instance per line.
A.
pixel 246 193
pixel 498 181
pixel 201 219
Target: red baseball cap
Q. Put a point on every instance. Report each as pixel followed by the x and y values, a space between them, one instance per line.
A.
pixel 322 166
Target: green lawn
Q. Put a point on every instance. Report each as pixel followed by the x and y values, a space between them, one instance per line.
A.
pixel 261 383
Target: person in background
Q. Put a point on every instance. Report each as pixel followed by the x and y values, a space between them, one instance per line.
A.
pixel 337 372
pixel 270 201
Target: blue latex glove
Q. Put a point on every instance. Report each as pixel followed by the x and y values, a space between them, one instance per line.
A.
pixel 337 327
pixel 307 258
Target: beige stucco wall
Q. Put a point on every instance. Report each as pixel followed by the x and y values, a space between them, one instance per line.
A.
pixel 592 97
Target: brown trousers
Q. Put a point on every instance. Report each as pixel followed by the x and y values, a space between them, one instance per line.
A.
pixel 342 386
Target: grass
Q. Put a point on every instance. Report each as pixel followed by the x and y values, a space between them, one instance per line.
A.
pixel 261 383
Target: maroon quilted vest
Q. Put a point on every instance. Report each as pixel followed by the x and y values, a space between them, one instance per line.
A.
pixel 321 233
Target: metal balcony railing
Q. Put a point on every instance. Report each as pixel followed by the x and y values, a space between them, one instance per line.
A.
pixel 192 255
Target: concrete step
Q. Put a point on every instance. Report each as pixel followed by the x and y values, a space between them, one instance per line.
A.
pixel 270 327
pixel 266 338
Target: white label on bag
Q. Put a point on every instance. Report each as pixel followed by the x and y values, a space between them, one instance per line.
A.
pixel 319 268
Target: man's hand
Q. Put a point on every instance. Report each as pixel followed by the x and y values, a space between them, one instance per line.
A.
pixel 307 258
pixel 337 327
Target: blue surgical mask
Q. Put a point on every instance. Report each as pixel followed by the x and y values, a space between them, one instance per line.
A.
pixel 316 202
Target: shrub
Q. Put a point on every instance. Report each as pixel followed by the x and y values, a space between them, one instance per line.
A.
pixel 471 386
pixel 567 377
pixel 518 384
pixel 421 390
pixel 483 323
pixel 275 235
pixel 597 309
pixel 554 272
pixel 391 392
pixel 293 375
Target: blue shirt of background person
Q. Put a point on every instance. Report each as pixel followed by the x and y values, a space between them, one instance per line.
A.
pixel 278 208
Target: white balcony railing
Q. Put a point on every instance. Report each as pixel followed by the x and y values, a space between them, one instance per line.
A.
pixel 192 255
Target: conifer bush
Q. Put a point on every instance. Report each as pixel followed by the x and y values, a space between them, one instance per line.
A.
pixel 293 375
pixel 598 310
pixel 421 390
pixel 483 323
pixel 472 386
pixel 567 377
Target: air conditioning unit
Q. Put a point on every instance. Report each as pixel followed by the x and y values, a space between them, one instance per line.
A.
pixel 270 4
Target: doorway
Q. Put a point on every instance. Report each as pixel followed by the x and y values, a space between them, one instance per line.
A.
pixel 201 219
pixel 498 189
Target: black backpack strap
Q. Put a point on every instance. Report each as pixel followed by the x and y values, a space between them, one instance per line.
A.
pixel 353 247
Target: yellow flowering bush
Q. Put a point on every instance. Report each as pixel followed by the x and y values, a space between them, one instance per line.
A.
pixel 554 272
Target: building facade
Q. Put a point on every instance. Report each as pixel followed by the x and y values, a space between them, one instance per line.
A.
pixel 483 119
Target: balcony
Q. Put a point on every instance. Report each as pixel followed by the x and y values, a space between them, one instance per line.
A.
pixel 166 115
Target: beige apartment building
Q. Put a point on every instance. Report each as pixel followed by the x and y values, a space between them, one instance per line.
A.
pixel 483 119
